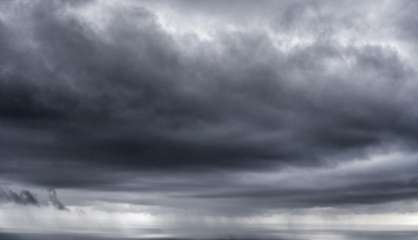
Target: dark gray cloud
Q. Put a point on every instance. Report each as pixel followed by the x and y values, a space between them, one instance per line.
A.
pixel 28 198
pixel 343 196
pixel 112 97
pixel 25 197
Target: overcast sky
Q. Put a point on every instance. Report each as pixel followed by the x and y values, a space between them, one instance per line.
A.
pixel 192 117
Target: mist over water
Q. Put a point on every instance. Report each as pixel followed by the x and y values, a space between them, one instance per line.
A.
pixel 285 235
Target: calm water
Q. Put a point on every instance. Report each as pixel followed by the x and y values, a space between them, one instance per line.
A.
pixel 286 235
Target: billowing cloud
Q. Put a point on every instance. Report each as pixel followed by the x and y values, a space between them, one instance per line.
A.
pixel 211 106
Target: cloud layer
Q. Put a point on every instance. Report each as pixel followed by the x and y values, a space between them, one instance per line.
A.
pixel 212 106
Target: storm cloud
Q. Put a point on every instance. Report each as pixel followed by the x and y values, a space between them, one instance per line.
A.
pixel 279 104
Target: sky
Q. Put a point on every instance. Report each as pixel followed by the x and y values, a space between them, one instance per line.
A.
pixel 207 118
